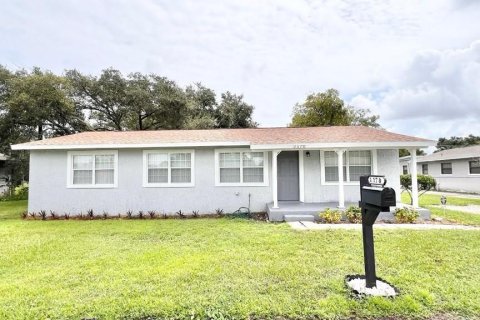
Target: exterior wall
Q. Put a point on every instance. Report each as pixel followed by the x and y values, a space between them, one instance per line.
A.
pixel 460 180
pixel 3 176
pixel 387 160
pixel 48 188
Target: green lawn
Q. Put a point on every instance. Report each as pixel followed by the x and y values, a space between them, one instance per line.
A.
pixel 429 200
pixel 233 267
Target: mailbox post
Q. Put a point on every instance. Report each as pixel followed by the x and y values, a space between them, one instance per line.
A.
pixel 374 198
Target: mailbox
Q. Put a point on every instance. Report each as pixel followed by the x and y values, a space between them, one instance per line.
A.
pixel 374 198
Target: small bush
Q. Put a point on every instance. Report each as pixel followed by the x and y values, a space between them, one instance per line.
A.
pixel 21 192
pixel 43 214
pixel 152 214
pixel 331 215
pixel 195 213
pixel 24 215
pixel 66 216
pixel 105 215
pixel 164 216
pixel 90 214
pixel 406 215
pixel 53 215
pixel 354 214
pixel 129 214
pixel 141 215
pixel 180 214
pixel 219 212
pixel 33 214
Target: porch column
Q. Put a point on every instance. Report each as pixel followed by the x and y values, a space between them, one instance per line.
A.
pixel 274 177
pixel 341 190
pixel 413 171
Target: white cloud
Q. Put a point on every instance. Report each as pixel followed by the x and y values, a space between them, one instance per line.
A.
pixel 274 52
pixel 437 95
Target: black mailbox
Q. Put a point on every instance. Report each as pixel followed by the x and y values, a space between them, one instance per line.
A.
pixel 374 198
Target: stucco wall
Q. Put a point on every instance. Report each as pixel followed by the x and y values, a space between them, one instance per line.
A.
pixel 387 164
pixel 48 191
pixel 460 180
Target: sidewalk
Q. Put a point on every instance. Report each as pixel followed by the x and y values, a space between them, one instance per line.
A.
pixel 308 225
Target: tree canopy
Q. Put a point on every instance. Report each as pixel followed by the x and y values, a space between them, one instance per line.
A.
pixel 457 142
pixel 328 109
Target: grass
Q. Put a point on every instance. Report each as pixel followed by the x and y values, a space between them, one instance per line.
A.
pixel 430 201
pixel 236 268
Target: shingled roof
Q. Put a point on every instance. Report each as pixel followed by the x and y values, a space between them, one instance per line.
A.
pixel 472 152
pixel 256 138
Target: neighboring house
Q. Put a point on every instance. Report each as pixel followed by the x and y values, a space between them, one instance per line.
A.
pixel 3 174
pixel 455 169
pixel 171 170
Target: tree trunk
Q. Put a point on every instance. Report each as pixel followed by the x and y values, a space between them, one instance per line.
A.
pixel 140 122
pixel 40 132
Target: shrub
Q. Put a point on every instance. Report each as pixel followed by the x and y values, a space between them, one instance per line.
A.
pixel 181 214
pixel 195 213
pixel 425 183
pixel 21 192
pixel 66 216
pixel 141 215
pixel 90 214
pixel 129 214
pixel 24 215
pixel 331 215
pixel 152 214
pixel 43 214
pixel 406 215
pixel 33 214
pixel 105 215
pixel 53 215
pixel 354 214
pixel 219 211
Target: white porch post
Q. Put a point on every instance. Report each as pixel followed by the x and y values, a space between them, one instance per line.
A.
pixel 413 171
pixel 341 190
pixel 301 176
pixel 274 177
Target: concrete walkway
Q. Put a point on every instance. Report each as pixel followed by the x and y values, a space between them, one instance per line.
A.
pixel 308 225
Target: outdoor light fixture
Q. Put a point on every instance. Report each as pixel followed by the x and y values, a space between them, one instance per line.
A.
pixel 307 154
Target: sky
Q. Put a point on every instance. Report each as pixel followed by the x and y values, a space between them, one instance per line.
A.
pixel 414 63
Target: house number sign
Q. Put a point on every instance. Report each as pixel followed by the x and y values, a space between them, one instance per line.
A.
pixel 298 146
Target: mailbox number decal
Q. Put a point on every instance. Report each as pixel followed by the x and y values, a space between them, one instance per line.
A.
pixel 377 180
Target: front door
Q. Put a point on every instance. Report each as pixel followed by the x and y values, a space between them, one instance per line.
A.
pixel 287 177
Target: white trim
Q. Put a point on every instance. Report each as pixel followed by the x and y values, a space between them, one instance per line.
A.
pixel 240 184
pixel 301 175
pixel 168 184
pixel 92 153
pixel 274 178
pixel 348 145
pixel 341 189
pixel 413 165
pixel 25 146
pixel 374 161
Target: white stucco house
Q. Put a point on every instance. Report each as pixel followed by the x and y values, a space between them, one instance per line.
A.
pixel 264 169
pixel 454 169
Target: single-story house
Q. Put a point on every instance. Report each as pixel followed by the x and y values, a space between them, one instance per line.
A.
pixel 263 169
pixel 455 169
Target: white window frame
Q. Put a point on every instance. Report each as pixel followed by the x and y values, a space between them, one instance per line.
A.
pixel 168 184
pixel 470 168
pixel 373 153
pixel 93 153
pixel 265 182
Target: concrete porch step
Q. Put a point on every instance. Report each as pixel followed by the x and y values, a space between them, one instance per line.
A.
pixel 298 217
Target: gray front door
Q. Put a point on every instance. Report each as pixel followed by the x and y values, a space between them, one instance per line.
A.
pixel 287 177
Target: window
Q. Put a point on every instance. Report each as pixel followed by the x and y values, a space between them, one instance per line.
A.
pixel 355 164
pixel 238 167
pixel 446 168
pixel 168 168
pixel 95 169
pixel 405 170
pixel 474 167
pixel 425 168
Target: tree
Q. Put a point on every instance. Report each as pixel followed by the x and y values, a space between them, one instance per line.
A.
pixel 425 183
pixel 457 142
pixel 104 97
pixel 405 152
pixel 328 109
pixel 201 107
pixel 154 102
pixel 233 112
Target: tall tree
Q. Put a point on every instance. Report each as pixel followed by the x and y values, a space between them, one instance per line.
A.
pixel 38 102
pixel 104 97
pixel 154 102
pixel 328 109
pixel 405 152
pixel 201 107
pixel 233 112
pixel 457 142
